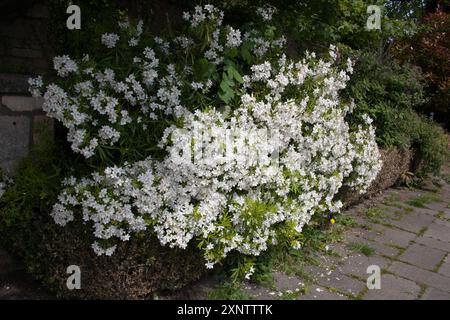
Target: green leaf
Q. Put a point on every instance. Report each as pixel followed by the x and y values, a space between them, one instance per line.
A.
pixel 246 53
pixel 226 96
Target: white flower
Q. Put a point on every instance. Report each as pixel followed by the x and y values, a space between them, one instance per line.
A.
pixel 349 66
pixel 110 39
pixel 196 85
pixel 108 134
pixel 250 273
pixel 101 251
pixel 125 24
pixel 266 12
pixel 133 42
pixel 233 38
pixel 64 65
pixel 261 71
pixel 35 86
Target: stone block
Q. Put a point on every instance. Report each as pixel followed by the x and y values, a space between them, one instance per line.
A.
pixel 413 222
pixel 394 237
pixel 43 127
pixel 394 288
pixel 422 276
pixel 20 103
pixel 319 293
pixel 283 282
pixel 336 280
pixel 422 256
pixel 439 232
pixel 434 243
pixel 435 294
pixel 444 269
pixel 14 141
pixel 25 53
pixel 13 83
pixel 357 265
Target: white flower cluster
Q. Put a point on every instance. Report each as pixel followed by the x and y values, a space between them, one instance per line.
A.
pixel 110 40
pixel 202 14
pixel 233 38
pixel 35 85
pixel 217 167
pixel 261 45
pixel 134 41
pixel 64 65
pixel 232 180
pixel 266 12
pixel 93 109
pixel 367 163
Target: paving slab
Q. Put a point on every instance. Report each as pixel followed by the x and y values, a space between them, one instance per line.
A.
pixel 443 222
pixel 433 243
pixel 438 231
pixel 284 282
pixel 394 237
pixel 445 214
pixel 444 269
pixel 404 194
pixel 320 293
pixel 260 293
pixel 394 288
pixel 357 265
pixel 422 256
pixel 435 294
pixel 436 206
pixel 425 211
pixel 341 282
pixel 413 222
pixel 380 249
pixel 419 275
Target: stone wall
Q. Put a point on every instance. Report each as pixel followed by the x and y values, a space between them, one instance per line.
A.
pixel 396 163
pixel 21 121
pixel 24 37
pixel 24 52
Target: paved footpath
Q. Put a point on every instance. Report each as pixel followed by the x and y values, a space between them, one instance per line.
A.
pixel 406 233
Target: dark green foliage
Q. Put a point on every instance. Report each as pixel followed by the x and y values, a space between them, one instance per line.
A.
pixel 431 143
pixel 387 92
pixel 26 204
pixel 97 17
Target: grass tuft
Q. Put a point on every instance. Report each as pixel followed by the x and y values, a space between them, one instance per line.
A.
pixel 361 248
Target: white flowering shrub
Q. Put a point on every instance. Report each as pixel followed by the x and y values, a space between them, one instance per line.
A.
pixel 213 136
